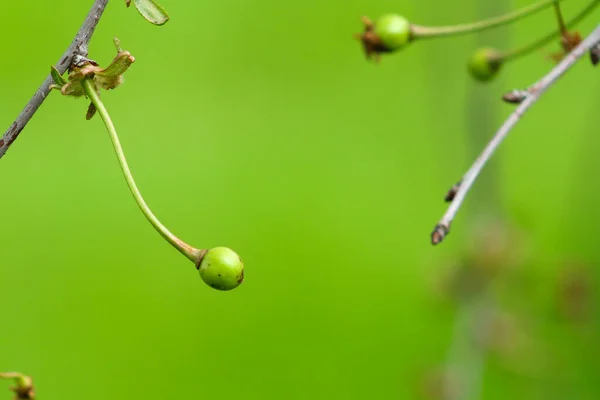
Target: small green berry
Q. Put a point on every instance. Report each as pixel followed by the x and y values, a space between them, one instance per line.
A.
pixel 485 64
pixel 393 31
pixel 221 268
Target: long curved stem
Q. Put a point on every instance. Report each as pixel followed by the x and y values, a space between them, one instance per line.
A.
pixel 187 250
pixel 514 54
pixel 424 32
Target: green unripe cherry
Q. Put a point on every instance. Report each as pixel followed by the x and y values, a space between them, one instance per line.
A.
pixel 221 268
pixel 393 31
pixel 485 63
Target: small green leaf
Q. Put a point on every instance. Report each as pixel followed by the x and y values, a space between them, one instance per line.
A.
pixel 119 65
pixel 152 11
pixel 57 77
pixel 112 76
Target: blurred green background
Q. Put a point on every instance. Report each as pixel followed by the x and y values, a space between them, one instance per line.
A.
pixel 259 125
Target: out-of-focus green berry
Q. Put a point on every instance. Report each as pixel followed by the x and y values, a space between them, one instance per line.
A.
pixel 221 268
pixel 485 63
pixel 393 31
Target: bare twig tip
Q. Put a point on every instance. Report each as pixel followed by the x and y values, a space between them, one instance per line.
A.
pixel 439 233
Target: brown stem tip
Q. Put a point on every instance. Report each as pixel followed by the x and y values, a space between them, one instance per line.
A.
pixel 439 233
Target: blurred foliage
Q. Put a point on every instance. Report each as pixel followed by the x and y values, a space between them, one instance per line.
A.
pixel 258 125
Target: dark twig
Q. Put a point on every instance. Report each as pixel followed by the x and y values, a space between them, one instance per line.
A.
pixel 78 46
pixel 442 228
pixel 595 54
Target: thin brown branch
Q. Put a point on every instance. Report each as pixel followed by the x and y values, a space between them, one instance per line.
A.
pixel 443 227
pixel 78 46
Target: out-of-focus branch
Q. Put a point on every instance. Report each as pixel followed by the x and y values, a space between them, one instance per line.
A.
pixel 78 46
pixel 466 357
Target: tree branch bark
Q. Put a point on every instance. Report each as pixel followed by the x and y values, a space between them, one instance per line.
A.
pixel 78 46
pixel 443 227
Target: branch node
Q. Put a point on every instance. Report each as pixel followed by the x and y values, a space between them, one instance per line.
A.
pixel 452 192
pixel 595 54
pixel 515 96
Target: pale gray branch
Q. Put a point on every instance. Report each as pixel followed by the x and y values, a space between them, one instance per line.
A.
pixel 78 46
pixel 443 226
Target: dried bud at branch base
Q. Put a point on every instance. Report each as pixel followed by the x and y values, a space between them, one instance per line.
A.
pixel 103 78
pixel 485 63
pixel 568 42
pixel 221 268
